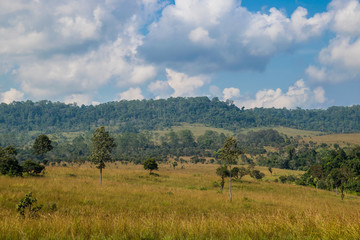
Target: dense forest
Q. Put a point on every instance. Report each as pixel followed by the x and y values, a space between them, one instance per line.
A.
pixel 136 116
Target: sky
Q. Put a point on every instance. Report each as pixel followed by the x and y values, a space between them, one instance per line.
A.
pixel 264 53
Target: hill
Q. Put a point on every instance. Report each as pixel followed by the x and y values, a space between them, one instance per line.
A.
pixel 135 116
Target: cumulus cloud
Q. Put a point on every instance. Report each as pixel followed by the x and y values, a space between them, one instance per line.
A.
pixel 339 61
pixel 161 89
pixel 231 93
pixel 205 35
pixel 79 99
pixel 67 48
pixel 184 85
pixel 298 95
pixel 131 94
pixel 11 95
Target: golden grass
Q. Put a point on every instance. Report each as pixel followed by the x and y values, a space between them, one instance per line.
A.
pixel 290 132
pixel 341 139
pixel 196 128
pixel 178 204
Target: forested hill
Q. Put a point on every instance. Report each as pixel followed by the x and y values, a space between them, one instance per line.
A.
pixel 156 114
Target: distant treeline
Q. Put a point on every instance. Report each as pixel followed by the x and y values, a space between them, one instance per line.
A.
pixel 136 116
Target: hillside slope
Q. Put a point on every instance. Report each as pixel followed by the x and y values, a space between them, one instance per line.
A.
pixel 125 116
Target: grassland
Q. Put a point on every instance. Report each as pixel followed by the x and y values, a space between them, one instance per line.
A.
pixel 290 132
pixel 196 129
pixel 341 139
pixel 177 204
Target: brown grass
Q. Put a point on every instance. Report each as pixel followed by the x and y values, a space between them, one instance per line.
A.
pixel 341 139
pixel 178 204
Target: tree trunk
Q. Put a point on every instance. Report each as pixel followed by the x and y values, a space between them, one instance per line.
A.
pixel 100 176
pixel 222 184
pixel 230 185
pixel 336 190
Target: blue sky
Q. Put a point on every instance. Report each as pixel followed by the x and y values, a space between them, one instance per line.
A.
pixel 264 53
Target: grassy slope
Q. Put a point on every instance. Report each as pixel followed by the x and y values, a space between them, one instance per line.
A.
pixel 290 132
pixel 196 129
pixel 179 204
pixel 341 139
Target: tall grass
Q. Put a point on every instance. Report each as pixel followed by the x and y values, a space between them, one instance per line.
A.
pixel 178 204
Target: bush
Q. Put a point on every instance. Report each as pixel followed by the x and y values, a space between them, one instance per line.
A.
pixel 257 174
pixel 32 168
pixel 283 179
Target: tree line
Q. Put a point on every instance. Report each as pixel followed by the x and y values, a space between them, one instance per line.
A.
pixel 140 115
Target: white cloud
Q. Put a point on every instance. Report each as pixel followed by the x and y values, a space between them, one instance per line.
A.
pixel 79 99
pixel 346 17
pixel 203 35
pixel 183 85
pixel 315 73
pixel 67 48
pixel 160 88
pixel 231 93
pixel 298 95
pixel 11 95
pixel 131 94
pixel 339 61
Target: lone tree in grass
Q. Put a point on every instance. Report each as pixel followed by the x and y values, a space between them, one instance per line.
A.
pixel 102 146
pixel 223 172
pixel 229 153
pixel 42 145
pixel 150 164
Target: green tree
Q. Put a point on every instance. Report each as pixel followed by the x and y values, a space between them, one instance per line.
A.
pixel 229 153
pixel 223 172
pixel 317 172
pixel 8 162
pixel 150 164
pixel 26 205
pixel 42 145
pixel 174 164
pixel 32 168
pixel 102 146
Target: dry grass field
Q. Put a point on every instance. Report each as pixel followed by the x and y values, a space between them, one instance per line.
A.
pixel 177 204
pixel 341 139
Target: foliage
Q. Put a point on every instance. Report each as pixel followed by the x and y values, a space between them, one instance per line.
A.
pixel 25 206
pixel 257 174
pixel 8 162
pixel 131 116
pixel 42 145
pixel 223 172
pixel 102 146
pixel 150 164
pixel 32 168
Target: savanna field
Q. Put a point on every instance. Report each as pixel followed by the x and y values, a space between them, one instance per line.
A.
pixel 178 204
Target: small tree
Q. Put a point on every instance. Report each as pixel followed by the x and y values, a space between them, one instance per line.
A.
pixel 26 205
pixel 235 172
pixel 223 172
pixel 229 153
pixel 243 172
pixel 102 146
pixel 257 174
pixel 317 172
pixel 150 164
pixel 32 168
pixel 42 145
pixel 174 164
pixel 270 170
pixel 8 162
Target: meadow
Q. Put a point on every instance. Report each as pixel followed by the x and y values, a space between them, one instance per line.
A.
pixel 181 203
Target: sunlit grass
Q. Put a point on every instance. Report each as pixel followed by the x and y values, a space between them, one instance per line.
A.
pixel 178 204
pixel 341 139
